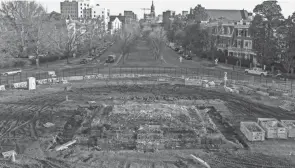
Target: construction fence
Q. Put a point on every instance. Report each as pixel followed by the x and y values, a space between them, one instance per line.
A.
pixel 232 76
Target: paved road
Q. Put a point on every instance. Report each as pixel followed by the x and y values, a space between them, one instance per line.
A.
pixel 172 57
pixel 74 67
pixel 188 67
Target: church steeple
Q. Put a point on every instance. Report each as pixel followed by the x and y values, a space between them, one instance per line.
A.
pixel 152 7
pixel 153 10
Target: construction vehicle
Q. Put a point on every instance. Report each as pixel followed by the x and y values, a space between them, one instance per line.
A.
pixel 111 59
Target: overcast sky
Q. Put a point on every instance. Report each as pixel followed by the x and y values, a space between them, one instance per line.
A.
pixel 118 6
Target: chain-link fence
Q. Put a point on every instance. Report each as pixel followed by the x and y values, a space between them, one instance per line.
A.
pixel 233 76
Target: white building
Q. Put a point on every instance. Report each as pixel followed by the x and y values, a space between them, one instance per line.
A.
pixel 89 9
pixel 102 13
pixel 115 24
pixel 83 6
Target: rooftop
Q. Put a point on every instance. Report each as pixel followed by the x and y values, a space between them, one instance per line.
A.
pixel 235 15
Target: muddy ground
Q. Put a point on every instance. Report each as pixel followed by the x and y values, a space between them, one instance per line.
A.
pixel 22 118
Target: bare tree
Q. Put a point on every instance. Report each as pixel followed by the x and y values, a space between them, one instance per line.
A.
pixel 66 36
pixel 157 40
pixel 37 36
pixel 20 17
pixel 126 40
pixel 95 35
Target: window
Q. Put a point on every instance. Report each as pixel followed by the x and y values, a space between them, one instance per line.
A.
pixel 240 32
pixel 248 33
pixel 250 45
pixel 246 44
pixel 81 11
pixel 81 8
pixel 239 42
pixel 94 11
pixel 93 15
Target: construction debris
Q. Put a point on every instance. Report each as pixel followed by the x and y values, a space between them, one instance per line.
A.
pixel 65 146
pixel 228 89
pixel 252 131
pixel 212 83
pixel 9 154
pixel 290 125
pixel 68 88
pixel 201 161
pixel 35 151
pixel 64 81
pixel 288 105
pixel 48 125
pixel 273 128
pixel 91 102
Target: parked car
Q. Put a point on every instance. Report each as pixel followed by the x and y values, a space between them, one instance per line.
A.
pixel 284 76
pixel 180 51
pixel 176 49
pixel 86 60
pixel 111 59
pixel 16 71
pixel 256 71
pixel 187 57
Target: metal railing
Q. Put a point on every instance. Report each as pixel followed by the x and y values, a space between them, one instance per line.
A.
pixel 233 76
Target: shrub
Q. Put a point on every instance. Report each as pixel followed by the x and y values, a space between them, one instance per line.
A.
pixel 232 60
pixel 21 62
pixel 12 62
pixel 221 56
pixel 246 63
pixel 45 59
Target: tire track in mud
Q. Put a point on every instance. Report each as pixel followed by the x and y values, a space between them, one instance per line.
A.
pixel 241 105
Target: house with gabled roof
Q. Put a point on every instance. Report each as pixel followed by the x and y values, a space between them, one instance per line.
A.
pixel 116 23
pixel 231 27
pixel 233 15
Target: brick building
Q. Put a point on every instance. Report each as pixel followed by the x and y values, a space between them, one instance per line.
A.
pixel 231 27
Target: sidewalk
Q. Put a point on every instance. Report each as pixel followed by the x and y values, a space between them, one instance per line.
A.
pixel 230 67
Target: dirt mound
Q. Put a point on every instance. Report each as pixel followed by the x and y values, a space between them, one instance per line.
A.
pixel 34 150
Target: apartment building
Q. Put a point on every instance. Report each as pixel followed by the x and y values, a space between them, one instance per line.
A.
pixel 85 9
pixel 231 27
pixel 184 13
pixel 242 42
pixel 69 8
pixel 167 18
pixel 130 16
pixel 102 13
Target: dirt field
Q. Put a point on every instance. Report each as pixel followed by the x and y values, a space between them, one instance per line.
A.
pixel 22 120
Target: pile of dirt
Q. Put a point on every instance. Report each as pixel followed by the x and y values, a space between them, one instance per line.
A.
pixel 34 151
pixel 288 105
